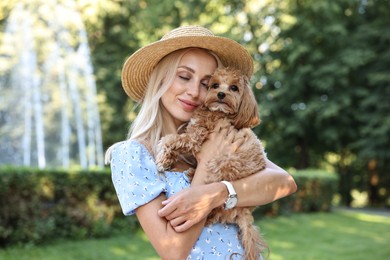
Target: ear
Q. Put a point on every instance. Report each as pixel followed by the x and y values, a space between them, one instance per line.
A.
pixel 248 113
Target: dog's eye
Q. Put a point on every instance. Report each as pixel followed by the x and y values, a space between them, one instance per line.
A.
pixel 233 88
pixel 215 85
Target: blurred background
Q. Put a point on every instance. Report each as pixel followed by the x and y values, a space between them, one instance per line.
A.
pixel 321 79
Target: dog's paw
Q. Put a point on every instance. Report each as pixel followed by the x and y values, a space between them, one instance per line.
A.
pixel 161 161
pixel 161 164
pixel 160 168
pixel 165 159
pixel 190 173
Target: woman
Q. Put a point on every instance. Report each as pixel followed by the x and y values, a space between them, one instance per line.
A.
pixel 170 77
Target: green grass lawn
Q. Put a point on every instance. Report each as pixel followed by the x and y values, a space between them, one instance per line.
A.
pixel 339 235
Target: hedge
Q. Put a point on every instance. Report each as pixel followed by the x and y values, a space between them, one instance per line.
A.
pixel 37 206
pixel 40 205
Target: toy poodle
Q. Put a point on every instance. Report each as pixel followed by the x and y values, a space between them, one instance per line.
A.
pixel 229 98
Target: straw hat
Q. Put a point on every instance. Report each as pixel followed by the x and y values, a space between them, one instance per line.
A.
pixel 137 68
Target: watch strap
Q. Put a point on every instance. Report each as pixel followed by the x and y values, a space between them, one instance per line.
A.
pixel 230 188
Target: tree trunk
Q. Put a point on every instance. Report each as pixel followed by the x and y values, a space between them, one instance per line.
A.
pixel 345 180
pixel 373 195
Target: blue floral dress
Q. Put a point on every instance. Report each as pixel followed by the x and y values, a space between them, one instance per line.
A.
pixel 137 182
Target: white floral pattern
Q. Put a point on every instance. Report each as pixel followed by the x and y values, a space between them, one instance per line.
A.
pixel 136 181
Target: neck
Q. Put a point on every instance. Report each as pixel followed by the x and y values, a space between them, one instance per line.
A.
pixel 169 126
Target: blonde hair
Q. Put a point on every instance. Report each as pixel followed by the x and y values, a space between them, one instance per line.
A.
pixel 149 123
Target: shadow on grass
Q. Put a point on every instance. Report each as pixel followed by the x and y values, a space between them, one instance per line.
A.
pixel 328 236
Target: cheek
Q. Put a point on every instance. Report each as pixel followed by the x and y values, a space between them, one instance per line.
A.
pixel 173 90
pixel 163 100
pixel 167 98
pixel 202 94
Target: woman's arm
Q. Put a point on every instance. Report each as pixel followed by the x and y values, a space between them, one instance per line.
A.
pixel 192 205
pixel 270 184
pixel 189 206
pixel 168 243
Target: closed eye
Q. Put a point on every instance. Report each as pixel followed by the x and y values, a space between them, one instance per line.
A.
pixel 205 83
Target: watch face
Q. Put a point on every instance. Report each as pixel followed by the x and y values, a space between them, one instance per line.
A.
pixel 231 202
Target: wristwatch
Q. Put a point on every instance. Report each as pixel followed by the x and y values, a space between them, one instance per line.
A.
pixel 232 199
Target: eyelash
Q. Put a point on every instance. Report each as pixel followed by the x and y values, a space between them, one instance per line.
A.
pixel 188 78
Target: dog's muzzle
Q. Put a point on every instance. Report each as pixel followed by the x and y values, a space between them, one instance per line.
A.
pixel 221 95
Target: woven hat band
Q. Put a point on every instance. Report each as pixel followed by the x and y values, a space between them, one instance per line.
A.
pixel 187 32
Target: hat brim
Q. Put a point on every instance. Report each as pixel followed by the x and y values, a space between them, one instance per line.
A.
pixel 137 68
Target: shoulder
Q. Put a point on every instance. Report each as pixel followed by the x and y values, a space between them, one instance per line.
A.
pixel 130 153
pixel 129 148
pixel 134 175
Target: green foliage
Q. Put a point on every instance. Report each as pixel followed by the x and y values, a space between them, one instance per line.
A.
pixel 324 88
pixel 37 206
pixel 316 190
pixel 40 205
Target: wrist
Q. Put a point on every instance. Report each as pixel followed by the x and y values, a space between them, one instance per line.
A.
pixel 200 175
pixel 231 200
pixel 220 195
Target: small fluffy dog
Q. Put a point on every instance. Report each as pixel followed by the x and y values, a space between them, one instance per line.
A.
pixel 229 98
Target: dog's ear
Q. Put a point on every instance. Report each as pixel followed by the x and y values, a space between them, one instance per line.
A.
pixel 248 113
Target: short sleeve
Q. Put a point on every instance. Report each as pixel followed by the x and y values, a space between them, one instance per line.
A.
pixel 134 175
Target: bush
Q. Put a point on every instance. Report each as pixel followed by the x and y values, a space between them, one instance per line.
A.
pixel 37 206
pixel 316 189
pixel 41 205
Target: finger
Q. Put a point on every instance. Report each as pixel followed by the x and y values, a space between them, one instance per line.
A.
pixel 238 142
pixel 231 134
pixel 172 215
pixel 224 131
pixel 177 221
pixel 234 130
pixel 168 209
pixel 184 226
pixel 219 126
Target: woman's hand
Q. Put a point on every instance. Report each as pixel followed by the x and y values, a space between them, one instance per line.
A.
pixel 190 206
pixel 221 142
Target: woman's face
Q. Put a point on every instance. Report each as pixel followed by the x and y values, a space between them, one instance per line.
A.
pixel 189 87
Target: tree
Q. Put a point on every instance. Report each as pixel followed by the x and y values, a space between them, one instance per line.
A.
pixel 322 73
pixel 372 147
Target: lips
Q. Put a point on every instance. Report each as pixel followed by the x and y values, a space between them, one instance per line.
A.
pixel 188 105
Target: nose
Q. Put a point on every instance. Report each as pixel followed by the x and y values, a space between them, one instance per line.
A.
pixel 221 95
pixel 193 90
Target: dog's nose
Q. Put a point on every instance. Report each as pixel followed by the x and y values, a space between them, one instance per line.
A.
pixel 221 95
